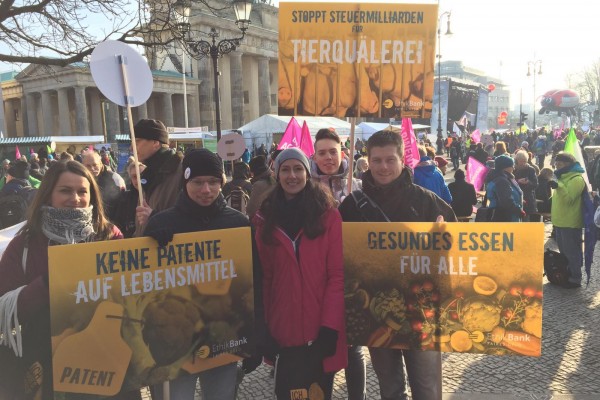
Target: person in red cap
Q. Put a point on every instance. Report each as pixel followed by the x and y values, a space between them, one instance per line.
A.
pixel 441 164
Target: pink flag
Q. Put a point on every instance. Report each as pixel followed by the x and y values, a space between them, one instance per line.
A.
pixel 476 173
pixel 411 152
pixel 306 143
pixel 291 136
pixel 31 150
pixel 476 136
pixel 17 153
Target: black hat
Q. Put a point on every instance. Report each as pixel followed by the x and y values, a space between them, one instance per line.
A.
pixel 202 162
pixel 19 169
pixel 151 129
pixel 258 165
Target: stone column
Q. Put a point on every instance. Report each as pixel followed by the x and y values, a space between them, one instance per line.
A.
pixel 32 120
pixel 64 118
pixel 24 116
pixel 194 119
pixel 142 112
pixel 264 86
pixel 97 127
pixel 206 100
pixel 81 112
pixel 167 101
pixel 237 89
pixel 48 118
pixel 113 127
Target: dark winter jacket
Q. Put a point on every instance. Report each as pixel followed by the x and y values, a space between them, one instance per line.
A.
pixel 401 201
pixel 188 216
pixel 529 204
pixel 504 195
pixel 162 181
pixel 464 197
pixel 111 185
pixel 123 213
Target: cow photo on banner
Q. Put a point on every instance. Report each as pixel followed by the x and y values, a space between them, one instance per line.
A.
pixel 356 59
pixel 127 314
pixel 450 287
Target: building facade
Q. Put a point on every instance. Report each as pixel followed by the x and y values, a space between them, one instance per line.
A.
pixel 54 101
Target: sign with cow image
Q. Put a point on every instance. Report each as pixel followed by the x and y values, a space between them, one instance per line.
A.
pixel 453 287
pixel 356 59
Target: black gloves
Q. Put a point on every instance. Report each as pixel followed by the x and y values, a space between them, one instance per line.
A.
pixel 251 363
pixel 553 184
pixel 326 342
pixel 163 236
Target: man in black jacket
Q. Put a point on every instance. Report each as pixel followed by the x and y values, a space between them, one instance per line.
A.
pixel 110 183
pixel 201 206
pixel 390 186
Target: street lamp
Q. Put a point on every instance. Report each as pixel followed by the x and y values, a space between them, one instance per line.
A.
pixel 182 16
pixel 531 65
pixel 213 49
pixel 448 14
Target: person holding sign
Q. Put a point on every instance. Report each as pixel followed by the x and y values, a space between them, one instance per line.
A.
pixel 67 209
pixel 200 207
pixel 299 242
pixel 161 180
pixel 393 197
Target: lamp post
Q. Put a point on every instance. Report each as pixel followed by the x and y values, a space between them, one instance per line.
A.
pixel 532 65
pixel 448 14
pixel 213 48
pixel 182 16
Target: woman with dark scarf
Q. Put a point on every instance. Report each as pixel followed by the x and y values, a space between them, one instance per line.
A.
pixel 66 210
pixel 299 242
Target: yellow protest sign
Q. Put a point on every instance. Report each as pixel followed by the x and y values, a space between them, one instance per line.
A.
pixel 356 59
pixel 127 313
pixel 473 288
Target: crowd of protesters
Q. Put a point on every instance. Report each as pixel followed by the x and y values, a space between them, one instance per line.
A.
pixel 295 206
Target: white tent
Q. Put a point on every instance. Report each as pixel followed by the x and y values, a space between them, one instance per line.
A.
pixel 262 129
pixel 369 128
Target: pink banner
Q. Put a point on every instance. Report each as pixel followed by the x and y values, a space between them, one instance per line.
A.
pixel 411 152
pixel 17 153
pixel 476 173
pixel 291 136
pixel 476 135
pixel 306 143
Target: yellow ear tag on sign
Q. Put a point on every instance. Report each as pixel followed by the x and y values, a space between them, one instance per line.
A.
pixel 95 360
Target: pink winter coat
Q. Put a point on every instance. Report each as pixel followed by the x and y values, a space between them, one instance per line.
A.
pixel 302 294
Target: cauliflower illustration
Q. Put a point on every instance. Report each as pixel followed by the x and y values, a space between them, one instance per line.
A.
pixel 480 314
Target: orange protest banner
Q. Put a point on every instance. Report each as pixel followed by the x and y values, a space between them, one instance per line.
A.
pixel 356 59
pixel 469 288
pixel 127 313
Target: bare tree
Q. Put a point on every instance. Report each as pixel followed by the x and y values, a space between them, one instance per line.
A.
pixel 61 32
pixel 587 83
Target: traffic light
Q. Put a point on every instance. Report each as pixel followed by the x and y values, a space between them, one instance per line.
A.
pixel 523 117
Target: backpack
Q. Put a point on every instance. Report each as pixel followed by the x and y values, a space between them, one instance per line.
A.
pixel 555 267
pixel 13 208
pixel 238 199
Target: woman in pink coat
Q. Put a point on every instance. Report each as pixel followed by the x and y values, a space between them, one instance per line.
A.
pixel 299 241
